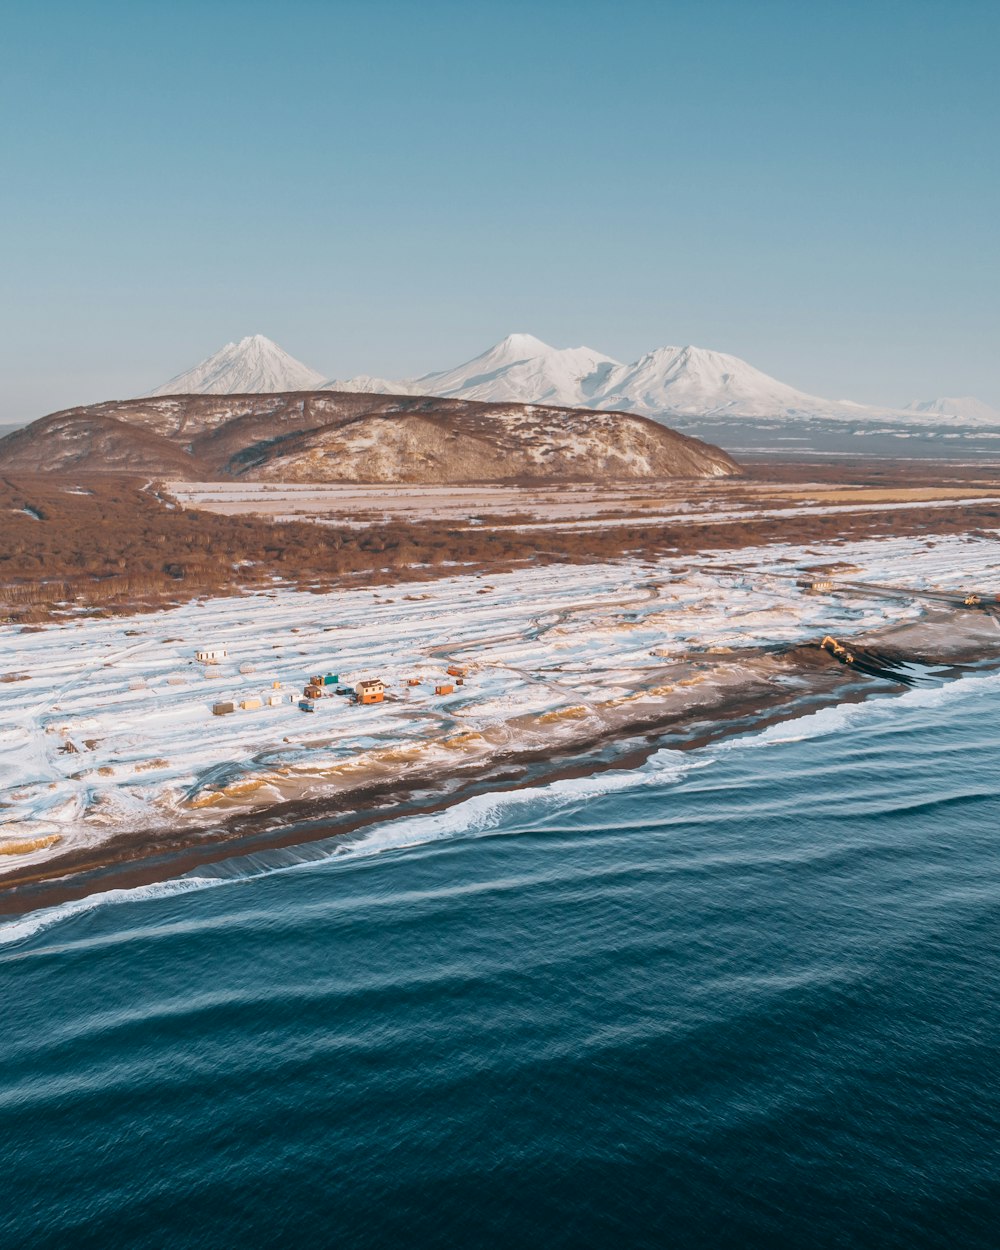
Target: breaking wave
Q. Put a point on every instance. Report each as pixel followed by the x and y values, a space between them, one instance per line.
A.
pixel 496 812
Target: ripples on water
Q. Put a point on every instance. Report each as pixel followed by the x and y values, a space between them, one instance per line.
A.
pixel 743 997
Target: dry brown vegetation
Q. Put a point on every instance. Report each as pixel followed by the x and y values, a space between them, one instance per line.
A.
pixel 103 543
pixel 325 436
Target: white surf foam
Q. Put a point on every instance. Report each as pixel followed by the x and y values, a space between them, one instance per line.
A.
pixel 486 814
pixel 35 922
pixel 829 721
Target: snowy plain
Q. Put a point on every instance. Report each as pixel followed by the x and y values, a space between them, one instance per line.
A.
pixel 107 724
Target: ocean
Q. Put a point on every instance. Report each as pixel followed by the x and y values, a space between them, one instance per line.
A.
pixel 742 996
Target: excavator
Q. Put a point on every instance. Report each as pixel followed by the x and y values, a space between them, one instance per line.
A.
pixel 873 663
pixel 838 649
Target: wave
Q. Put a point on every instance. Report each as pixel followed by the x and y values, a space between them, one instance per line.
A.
pixel 476 817
pixel 833 721
pixel 484 814
pixel 35 922
pixel 487 812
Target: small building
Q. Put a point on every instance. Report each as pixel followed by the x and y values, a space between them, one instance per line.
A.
pixel 372 690
pixel 331 679
pixel 211 655
pixel 223 709
pixel 274 699
pixel 455 671
pixel 251 704
pixel 444 689
pixel 313 691
pixel 414 681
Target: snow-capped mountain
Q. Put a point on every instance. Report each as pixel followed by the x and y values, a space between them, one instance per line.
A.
pixel 669 381
pixel 365 384
pixel 698 382
pixel 686 380
pixel 519 367
pixel 964 407
pixel 254 365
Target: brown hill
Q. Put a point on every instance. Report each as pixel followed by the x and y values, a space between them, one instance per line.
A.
pixel 345 437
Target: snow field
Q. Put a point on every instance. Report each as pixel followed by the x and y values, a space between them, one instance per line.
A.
pixel 112 727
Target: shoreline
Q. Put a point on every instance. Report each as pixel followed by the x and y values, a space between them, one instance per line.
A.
pixel 774 685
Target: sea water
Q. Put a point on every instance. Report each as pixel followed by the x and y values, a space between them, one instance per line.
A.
pixel 743 996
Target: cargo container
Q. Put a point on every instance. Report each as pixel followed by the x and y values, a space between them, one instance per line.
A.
pixel 223 709
pixel 331 679
pixel 251 704
pixel 444 689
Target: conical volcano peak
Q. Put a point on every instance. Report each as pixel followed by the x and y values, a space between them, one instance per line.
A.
pixel 523 345
pixel 254 365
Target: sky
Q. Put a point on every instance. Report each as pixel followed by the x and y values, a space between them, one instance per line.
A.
pixel 390 187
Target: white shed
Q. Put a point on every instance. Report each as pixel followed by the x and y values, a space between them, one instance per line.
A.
pixel 211 655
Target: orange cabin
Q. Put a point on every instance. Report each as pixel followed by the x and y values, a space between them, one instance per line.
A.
pixel 414 681
pixel 455 671
pixel 370 691
pixel 444 689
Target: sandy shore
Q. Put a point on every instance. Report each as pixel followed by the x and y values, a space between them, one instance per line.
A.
pixel 707 699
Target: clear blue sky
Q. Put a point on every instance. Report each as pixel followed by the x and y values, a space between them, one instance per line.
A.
pixel 390 187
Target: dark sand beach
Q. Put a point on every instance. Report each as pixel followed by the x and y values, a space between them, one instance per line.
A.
pixel 734 693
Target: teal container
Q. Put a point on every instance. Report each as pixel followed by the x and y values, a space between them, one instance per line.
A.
pixel 331 679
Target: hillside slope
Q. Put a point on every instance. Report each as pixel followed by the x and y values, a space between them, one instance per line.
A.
pixel 323 436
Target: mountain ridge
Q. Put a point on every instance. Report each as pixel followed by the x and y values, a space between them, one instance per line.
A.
pixel 963 407
pixel 683 381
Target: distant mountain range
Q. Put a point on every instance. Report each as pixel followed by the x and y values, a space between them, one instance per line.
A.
pixel 692 382
pixel 964 407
